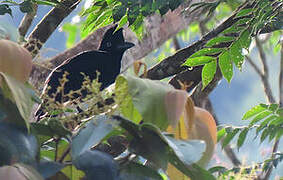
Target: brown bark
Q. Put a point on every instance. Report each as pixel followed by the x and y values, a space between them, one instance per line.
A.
pixel 158 30
pixel 49 23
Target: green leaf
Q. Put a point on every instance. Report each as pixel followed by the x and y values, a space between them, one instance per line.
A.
pixel 229 137
pixel 10 112
pixel 265 133
pixel 185 148
pixel 236 54
pixel 280 111
pixel 58 128
pixel 242 137
pixel 119 12
pixel 279 134
pixel 264 123
pixel 277 121
pixel 244 12
pixel 133 13
pixel 221 133
pixel 22 96
pixel 16 145
pixel 273 107
pixel 164 9
pixel 245 39
pixel 96 165
pixel 149 142
pixel 208 72
pixel 93 132
pixel 206 51
pixel 133 170
pixel 151 146
pixel 97 19
pixel 72 30
pixel 218 40
pixel 138 27
pixel 198 61
pixel 125 101
pixel 122 21
pixel 148 97
pixel 252 112
pixel 5 9
pixel 259 117
pixel 48 3
pixel 226 65
pixel 174 4
pixel 26 6
pixel 272 134
pixel 41 129
pixel 219 169
pixel 264 105
pixel 49 168
pixel 70 172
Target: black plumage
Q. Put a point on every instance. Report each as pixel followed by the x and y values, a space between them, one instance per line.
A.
pixel 107 61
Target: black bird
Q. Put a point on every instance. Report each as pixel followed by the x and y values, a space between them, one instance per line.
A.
pixel 107 61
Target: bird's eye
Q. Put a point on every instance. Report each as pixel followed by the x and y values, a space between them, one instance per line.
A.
pixel 108 44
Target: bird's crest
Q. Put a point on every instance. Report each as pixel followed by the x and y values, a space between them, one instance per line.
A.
pixel 112 39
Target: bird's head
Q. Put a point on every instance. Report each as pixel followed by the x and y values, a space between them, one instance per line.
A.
pixel 114 41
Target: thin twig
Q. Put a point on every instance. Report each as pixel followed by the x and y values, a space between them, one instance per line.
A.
pixel 56 149
pixel 27 21
pixel 262 56
pixel 281 78
pixel 276 144
pixel 65 153
pixel 206 103
pixel 227 149
pixel 256 68
pixel 264 78
pixel 176 43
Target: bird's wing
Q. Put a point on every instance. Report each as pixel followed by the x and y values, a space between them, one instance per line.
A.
pixel 84 62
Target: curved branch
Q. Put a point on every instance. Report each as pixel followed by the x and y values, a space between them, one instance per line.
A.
pixel 49 23
pixel 172 64
pixel 168 25
pixel 276 144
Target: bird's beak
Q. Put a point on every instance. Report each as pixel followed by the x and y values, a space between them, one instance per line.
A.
pixel 126 45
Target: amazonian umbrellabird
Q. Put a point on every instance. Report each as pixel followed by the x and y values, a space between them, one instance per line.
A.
pixel 107 61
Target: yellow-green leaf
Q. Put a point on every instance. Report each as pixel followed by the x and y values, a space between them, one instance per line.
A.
pixel 196 61
pixel 208 73
pixel 226 66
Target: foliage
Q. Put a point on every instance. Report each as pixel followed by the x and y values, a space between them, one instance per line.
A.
pixel 104 12
pixel 71 145
pixel 233 43
pixel 56 138
pixel 267 120
pixel 25 6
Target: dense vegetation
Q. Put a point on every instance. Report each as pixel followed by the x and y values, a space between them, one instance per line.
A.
pixel 139 128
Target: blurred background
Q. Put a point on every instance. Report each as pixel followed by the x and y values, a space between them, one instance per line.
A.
pixel 230 101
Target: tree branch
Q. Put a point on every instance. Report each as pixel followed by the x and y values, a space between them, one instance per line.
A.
pixel 281 78
pixel 262 56
pixel 227 149
pixel 168 25
pixel 172 64
pixel 27 21
pixel 276 144
pixel 49 23
pixel 263 75
pixel 256 68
